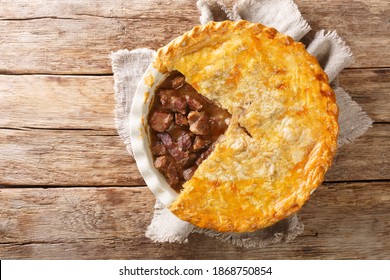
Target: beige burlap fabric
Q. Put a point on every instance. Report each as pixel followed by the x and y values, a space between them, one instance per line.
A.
pixel 330 50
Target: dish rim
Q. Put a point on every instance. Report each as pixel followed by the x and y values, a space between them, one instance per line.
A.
pixel 139 136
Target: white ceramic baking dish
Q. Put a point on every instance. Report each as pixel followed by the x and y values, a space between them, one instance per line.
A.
pixel 139 135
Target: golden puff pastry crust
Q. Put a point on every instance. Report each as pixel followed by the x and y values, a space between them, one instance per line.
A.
pixel 282 136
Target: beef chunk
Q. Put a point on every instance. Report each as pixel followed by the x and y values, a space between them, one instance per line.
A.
pixel 178 154
pixel 178 82
pixel 172 102
pixel 188 161
pixel 158 149
pixel 161 163
pixel 161 121
pixel 194 104
pixel 166 139
pixel 198 122
pixel 180 119
pixel 204 155
pixel 188 173
pixel 166 166
pixel 176 150
pixel 200 143
pixel 184 142
pixel 178 104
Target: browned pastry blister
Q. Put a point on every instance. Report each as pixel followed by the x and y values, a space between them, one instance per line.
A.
pixel 282 125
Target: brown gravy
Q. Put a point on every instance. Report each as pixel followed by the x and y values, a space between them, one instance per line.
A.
pixel 184 127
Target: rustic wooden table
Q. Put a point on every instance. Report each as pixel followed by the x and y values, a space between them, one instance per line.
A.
pixel 69 190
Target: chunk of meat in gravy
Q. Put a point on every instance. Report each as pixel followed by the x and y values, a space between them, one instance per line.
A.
pixel 166 139
pixel 200 143
pixel 158 149
pixel 204 155
pixel 194 104
pixel 178 154
pixel 173 103
pixel 161 163
pixel 188 173
pixel 198 122
pixel 180 119
pixel 185 141
pixel 188 161
pixel 166 166
pixel 161 121
pixel 178 82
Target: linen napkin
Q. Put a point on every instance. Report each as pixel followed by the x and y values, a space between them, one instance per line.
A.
pixel 333 55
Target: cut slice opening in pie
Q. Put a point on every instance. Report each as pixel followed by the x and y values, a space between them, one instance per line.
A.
pixel 185 126
pixel 244 127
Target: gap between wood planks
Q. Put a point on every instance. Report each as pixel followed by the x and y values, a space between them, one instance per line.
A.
pixel 11 73
pixel 100 132
pixel 83 16
pixel 330 183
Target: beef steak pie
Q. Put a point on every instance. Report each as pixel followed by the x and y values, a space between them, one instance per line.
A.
pixel 244 127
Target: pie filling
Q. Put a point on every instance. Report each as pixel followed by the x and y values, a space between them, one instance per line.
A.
pixel 184 129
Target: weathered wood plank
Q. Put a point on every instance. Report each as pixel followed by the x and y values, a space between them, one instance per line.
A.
pixel 371 89
pixel 79 46
pixel 87 102
pixel 360 23
pixel 55 157
pixel 85 158
pixel 60 102
pixel 24 9
pixel 76 37
pixel 341 221
pixel 367 158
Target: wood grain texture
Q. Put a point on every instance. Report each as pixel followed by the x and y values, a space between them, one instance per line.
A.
pixel 87 102
pixel 363 24
pixel 79 46
pixel 86 223
pixel 366 158
pixel 60 157
pixel 60 102
pixel 68 37
pixel 93 158
pixel 370 88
